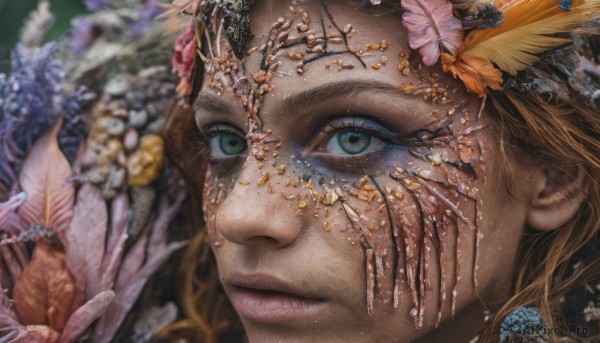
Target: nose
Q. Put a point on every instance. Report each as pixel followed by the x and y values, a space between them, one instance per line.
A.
pixel 258 214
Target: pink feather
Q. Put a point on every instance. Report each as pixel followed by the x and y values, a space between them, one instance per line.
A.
pixel 431 27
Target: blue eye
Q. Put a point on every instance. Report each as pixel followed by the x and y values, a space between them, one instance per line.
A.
pixel 350 142
pixel 227 145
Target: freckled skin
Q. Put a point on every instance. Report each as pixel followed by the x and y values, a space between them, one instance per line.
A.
pixel 387 237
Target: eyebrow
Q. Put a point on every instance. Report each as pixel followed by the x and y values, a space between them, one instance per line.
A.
pixel 212 103
pixel 215 104
pixel 329 91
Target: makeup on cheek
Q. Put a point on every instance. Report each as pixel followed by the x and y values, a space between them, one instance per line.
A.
pixel 397 217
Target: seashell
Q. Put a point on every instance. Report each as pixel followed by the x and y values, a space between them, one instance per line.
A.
pixel 88 159
pixel 119 112
pixel 97 176
pixel 102 123
pixel 151 109
pixel 115 178
pixel 113 148
pixel 117 85
pixel 156 126
pixel 103 158
pixel 145 164
pixel 138 119
pixel 116 104
pixel 130 140
pixel 108 193
pixel 122 159
pixel 115 127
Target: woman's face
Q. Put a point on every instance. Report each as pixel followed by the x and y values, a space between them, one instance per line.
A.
pixel 349 201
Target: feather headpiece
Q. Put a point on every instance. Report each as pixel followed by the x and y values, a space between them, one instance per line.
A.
pixel 530 28
pixel 501 37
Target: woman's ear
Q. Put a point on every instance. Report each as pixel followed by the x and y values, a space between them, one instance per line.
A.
pixel 557 196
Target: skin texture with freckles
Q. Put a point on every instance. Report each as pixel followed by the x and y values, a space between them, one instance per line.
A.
pixel 407 235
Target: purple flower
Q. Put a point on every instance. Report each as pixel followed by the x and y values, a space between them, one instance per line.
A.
pixel 74 129
pixel 31 100
pixel 28 99
pixel 85 32
pixel 95 5
pixel 148 11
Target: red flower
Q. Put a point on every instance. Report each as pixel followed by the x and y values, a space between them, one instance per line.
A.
pixel 184 59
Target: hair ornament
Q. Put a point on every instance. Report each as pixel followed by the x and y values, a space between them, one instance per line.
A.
pixel 484 43
pixel 523 321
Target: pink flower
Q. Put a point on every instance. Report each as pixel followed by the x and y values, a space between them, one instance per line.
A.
pixel 431 26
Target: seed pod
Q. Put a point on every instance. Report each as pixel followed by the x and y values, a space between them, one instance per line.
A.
pixel 330 197
pixel 302 28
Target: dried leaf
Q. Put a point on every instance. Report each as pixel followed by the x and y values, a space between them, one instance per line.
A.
pixel 39 334
pixel 45 292
pixel 43 177
pixel 166 214
pixel 116 243
pixel 431 26
pixel 7 312
pixel 13 260
pixel 86 239
pixel 8 216
pixel 10 332
pixel 81 319
pixel 475 72
pixel 128 293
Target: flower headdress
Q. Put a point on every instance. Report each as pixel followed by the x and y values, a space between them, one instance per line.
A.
pixel 484 43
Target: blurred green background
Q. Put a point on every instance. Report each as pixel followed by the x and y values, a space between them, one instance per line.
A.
pixel 14 12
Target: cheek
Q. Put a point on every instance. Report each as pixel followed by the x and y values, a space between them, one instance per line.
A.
pixel 409 223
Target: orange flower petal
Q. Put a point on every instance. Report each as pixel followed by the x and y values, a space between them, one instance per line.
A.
pixel 45 293
pixel 475 72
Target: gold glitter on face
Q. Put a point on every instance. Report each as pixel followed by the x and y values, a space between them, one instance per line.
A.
pixel 354 174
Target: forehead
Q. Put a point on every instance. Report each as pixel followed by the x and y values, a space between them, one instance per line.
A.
pixel 374 55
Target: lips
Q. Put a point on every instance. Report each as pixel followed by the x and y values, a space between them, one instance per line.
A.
pixel 268 299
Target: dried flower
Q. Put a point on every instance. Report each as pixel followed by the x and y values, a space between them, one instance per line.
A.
pixel 84 33
pixel 28 99
pixel 475 72
pixel 432 26
pixel 95 5
pixel 37 25
pixel 184 59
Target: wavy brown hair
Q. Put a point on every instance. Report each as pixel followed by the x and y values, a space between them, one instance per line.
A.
pixel 209 314
pixel 563 134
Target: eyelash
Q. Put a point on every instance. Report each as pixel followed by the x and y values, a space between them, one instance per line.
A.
pixel 359 124
pixel 325 135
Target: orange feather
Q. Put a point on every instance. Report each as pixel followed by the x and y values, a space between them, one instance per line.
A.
pixel 529 29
